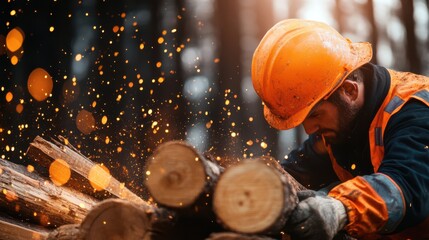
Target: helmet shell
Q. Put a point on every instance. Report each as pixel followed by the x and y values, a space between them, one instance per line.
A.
pixel 298 63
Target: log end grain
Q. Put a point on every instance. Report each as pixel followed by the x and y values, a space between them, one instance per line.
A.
pixel 115 219
pixel 236 236
pixel 175 174
pixel 252 197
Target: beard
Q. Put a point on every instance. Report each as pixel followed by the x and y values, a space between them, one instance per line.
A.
pixel 347 114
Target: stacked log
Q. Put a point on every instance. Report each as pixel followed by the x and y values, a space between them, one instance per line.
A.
pixel 178 176
pixel 182 180
pixel 195 198
pixel 45 153
pixel 116 219
pixel 27 195
pixel 248 198
pixel 11 229
pixel 252 197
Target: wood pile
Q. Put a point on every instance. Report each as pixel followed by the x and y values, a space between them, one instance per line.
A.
pixel 195 198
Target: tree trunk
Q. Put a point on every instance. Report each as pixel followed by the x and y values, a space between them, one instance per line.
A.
pixel 30 197
pixel 369 10
pixel 45 152
pixel 427 33
pixel 339 15
pixel 254 197
pixel 407 16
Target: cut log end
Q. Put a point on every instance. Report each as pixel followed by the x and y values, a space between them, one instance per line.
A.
pixel 115 219
pixel 176 175
pixel 236 236
pixel 238 202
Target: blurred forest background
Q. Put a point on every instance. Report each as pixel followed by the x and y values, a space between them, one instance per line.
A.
pixel 119 77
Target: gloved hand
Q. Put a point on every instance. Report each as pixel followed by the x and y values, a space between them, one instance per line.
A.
pixel 317 216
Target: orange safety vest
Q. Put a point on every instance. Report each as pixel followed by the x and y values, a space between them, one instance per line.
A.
pixel 370 213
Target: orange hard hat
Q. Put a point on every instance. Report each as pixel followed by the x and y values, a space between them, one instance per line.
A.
pixel 299 62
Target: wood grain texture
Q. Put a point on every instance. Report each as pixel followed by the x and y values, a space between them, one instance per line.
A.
pixel 30 197
pixel 254 197
pixel 45 152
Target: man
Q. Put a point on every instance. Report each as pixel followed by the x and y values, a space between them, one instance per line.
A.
pixel 367 154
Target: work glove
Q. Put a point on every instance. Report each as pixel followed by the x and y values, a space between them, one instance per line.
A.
pixel 317 216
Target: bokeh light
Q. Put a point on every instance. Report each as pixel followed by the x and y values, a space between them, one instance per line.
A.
pixel 59 172
pixel 85 122
pixel 19 108
pixel 40 84
pixel 10 195
pixel 14 39
pixel 9 97
pixel 99 177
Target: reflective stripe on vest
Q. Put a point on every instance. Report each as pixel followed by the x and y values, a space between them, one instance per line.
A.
pixel 404 86
pixel 392 196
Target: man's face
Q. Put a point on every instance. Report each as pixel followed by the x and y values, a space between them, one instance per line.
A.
pixel 331 118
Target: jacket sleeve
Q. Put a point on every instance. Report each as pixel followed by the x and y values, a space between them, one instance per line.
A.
pixel 397 196
pixel 308 168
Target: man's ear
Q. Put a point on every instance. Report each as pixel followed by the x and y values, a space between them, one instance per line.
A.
pixel 351 89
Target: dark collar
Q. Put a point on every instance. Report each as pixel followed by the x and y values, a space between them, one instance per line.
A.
pixel 376 84
pixel 355 151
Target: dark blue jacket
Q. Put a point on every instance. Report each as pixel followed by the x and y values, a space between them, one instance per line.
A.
pixel 406 158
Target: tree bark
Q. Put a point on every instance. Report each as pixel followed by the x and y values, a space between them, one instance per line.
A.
pixel 13 230
pixel 30 197
pixel 254 197
pixel 270 161
pixel 40 151
pixel 45 152
pixel 66 232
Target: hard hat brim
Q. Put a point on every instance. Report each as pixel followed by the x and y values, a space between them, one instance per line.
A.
pixel 363 53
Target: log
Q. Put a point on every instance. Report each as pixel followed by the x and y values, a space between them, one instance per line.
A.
pixel 116 219
pixel 45 152
pixel 254 197
pixel 12 230
pixel 65 232
pixel 121 219
pixel 238 236
pixel 39 153
pixel 270 161
pixel 179 177
pixel 30 197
